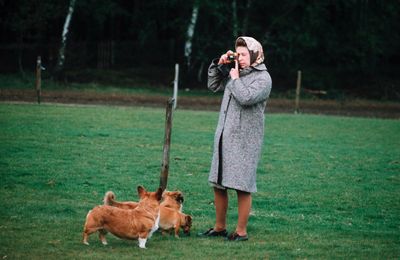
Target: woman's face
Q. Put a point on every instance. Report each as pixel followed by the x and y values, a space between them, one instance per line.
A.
pixel 244 57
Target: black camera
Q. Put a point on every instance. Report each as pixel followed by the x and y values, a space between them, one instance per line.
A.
pixel 226 68
pixel 232 57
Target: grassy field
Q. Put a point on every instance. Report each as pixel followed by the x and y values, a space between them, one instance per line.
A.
pixel 328 186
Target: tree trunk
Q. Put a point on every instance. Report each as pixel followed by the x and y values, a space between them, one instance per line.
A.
pixel 61 53
pixel 200 72
pixel 190 33
pixel 105 54
pixel 235 19
pixel 20 50
pixel 246 18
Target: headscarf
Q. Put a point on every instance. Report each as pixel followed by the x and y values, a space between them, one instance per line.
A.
pixel 255 50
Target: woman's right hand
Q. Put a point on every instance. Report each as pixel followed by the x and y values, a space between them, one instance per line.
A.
pixel 224 57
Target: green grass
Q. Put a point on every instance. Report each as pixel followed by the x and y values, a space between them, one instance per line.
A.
pixel 328 186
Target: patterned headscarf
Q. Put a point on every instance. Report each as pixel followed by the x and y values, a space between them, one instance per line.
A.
pixel 255 50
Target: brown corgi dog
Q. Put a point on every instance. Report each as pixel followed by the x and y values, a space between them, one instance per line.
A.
pixel 139 223
pixel 170 210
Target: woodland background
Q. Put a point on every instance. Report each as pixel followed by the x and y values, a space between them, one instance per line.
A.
pixel 349 48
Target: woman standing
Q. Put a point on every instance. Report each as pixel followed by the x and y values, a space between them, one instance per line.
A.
pixel 240 131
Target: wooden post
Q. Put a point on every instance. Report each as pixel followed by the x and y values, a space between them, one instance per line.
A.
pixel 298 86
pixel 175 96
pixel 38 78
pixel 167 142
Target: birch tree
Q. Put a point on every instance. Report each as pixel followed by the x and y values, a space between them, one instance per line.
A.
pixel 190 33
pixel 61 53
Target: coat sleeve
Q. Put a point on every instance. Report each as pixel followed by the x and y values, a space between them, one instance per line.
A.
pixel 215 80
pixel 258 90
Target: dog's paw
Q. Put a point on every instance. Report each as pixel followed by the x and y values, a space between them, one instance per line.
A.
pixel 85 243
pixel 104 243
pixel 142 243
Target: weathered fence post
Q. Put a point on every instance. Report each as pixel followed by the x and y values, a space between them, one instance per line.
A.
pixel 175 96
pixel 298 86
pixel 38 78
pixel 167 142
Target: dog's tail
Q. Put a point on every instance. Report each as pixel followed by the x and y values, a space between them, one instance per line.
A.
pixel 109 198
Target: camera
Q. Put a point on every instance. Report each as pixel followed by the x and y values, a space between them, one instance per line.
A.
pixel 225 68
pixel 232 57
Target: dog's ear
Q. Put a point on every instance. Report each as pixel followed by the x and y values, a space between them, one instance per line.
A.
pixel 188 219
pixel 141 191
pixel 159 194
pixel 179 198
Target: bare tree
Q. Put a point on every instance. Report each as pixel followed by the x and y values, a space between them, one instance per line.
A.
pixel 190 33
pixel 61 53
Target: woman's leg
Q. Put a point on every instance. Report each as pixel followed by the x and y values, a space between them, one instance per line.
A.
pixel 244 207
pixel 221 207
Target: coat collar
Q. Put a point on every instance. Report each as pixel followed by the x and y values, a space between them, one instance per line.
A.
pixel 259 67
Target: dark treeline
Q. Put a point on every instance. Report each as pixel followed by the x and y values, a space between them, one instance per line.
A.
pixel 347 47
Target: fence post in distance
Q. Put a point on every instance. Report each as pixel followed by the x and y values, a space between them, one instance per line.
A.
pixel 175 96
pixel 298 86
pixel 38 78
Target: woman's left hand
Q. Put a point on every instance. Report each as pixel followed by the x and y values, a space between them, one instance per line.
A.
pixel 234 73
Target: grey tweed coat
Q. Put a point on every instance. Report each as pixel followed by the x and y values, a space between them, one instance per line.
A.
pixel 240 132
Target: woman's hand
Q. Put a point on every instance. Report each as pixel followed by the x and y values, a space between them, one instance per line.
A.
pixel 224 57
pixel 234 73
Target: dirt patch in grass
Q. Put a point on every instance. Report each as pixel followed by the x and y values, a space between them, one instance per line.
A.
pixel 361 108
